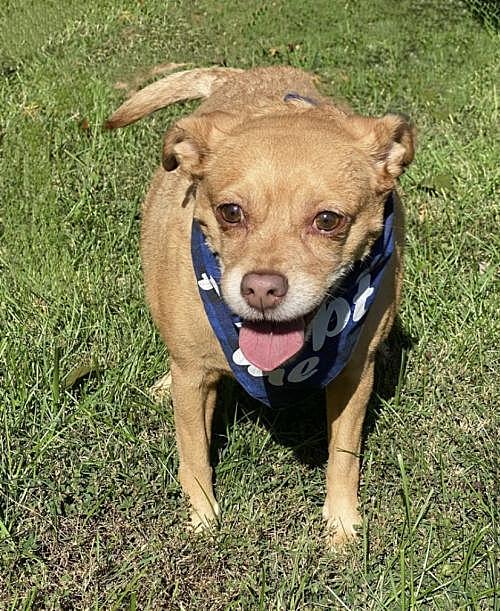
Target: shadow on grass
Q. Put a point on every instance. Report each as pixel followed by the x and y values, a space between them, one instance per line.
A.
pixel 487 12
pixel 302 427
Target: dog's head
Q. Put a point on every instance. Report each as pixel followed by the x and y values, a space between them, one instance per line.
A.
pixel 289 202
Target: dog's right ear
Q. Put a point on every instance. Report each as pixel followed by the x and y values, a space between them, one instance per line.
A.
pixel 189 142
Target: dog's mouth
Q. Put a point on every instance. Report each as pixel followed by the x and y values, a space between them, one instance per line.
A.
pixel 269 344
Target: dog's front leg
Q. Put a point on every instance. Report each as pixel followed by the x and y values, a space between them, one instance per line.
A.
pixel 347 397
pixel 194 404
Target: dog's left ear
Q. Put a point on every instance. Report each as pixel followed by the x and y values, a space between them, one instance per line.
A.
pixel 390 142
pixel 188 144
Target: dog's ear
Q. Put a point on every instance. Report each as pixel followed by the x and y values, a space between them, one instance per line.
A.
pixel 188 144
pixel 389 141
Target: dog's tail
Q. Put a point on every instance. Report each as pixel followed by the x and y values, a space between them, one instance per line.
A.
pixel 177 87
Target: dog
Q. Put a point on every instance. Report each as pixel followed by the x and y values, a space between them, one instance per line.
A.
pixel 272 243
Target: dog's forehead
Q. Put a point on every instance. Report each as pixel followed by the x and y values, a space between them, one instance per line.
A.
pixel 288 155
pixel 287 135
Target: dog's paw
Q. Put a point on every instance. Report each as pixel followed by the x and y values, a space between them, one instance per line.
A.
pixel 205 519
pixel 341 526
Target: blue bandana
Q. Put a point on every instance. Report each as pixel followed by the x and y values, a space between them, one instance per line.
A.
pixel 335 328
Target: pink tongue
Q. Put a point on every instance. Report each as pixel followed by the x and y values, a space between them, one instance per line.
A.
pixel 267 345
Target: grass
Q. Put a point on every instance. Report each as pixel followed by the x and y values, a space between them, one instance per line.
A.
pixel 91 515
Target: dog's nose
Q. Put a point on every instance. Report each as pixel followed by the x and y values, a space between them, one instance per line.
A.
pixel 263 291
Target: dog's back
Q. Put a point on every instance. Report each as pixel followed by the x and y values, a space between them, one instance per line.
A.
pixel 224 89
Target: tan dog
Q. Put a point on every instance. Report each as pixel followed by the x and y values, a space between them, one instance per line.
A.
pixel 289 190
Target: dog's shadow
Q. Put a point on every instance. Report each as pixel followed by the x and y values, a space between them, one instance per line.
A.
pixel 302 426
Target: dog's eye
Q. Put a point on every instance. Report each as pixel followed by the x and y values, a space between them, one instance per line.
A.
pixel 231 213
pixel 328 221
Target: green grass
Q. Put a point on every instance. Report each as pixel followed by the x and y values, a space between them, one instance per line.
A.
pixel 91 514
